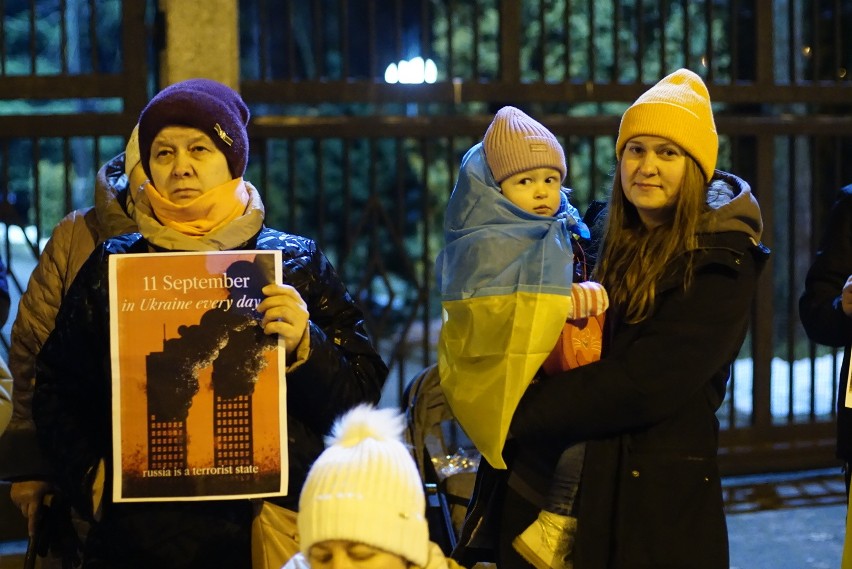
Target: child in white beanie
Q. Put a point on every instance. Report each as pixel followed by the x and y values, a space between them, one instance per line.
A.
pixel 509 267
pixel 363 500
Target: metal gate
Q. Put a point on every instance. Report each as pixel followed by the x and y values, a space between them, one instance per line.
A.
pixel 361 110
pixel 384 98
pixel 73 79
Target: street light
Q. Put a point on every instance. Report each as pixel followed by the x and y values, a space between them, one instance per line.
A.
pixel 412 71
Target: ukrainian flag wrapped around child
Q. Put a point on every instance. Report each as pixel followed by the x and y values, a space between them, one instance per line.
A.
pixel 505 275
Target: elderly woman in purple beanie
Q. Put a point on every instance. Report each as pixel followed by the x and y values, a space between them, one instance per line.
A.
pixel 194 147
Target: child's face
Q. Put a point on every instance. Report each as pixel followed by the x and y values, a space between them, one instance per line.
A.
pixel 344 554
pixel 536 191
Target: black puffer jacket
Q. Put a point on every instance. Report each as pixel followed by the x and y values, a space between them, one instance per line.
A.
pixel 72 402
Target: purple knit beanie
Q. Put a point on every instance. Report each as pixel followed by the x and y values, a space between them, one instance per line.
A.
pixel 211 107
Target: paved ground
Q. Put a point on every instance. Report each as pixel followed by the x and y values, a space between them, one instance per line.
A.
pixel 799 538
pixel 786 521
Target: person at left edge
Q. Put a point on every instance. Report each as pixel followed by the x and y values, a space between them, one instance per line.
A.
pixel 194 149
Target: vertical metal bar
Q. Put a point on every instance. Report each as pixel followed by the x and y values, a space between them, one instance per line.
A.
pixel 292 182
pixel 790 269
pixel 762 337
pixel 731 402
pixel 733 12
pixel 816 231
pixel 291 41
pixel 398 29
pixel 764 24
pixel 566 41
pixel 451 63
pixel 263 23
pixel 36 185
pixel 639 31
pixel 476 40
pixel 371 39
pixel 319 189
pixel 838 42
pixel 836 183
pixel 510 46
pixel 542 39
pixel 347 192
pixel 425 43
pixel 343 7
pixel 4 192
pixel 134 59
pixel 399 187
pixel 4 170
pixel 664 40
pixel 33 44
pixel 617 22
pixel 318 40
pixel 68 170
pixel 708 39
pixel 590 44
pixel 816 43
pixel 593 158
pixel 426 253
pixel 792 52
pixel 63 37
pixel 687 32
pixel 3 38
pixel 93 35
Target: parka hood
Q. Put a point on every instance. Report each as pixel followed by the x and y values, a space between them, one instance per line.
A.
pixel 111 196
pixel 732 207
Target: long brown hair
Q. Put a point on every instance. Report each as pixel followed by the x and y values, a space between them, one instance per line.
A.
pixel 633 258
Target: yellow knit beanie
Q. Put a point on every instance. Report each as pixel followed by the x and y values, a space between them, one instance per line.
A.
pixel 515 142
pixel 676 108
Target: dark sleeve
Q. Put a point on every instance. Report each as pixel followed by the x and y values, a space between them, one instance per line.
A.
pixel 819 306
pixel 681 349
pixel 71 402
pixel 343 368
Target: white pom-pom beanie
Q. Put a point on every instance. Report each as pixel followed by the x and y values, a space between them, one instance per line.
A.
pixel 365 487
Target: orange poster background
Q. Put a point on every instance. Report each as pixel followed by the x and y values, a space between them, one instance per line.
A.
pixel 142 331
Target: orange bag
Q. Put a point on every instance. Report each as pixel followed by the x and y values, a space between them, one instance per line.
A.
pixel 579 343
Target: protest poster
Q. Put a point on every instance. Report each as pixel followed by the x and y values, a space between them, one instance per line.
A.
pixel 198 389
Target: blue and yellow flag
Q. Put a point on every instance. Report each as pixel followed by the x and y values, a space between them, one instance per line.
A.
pixel 505 279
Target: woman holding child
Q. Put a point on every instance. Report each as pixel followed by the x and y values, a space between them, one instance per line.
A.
pixel 680 256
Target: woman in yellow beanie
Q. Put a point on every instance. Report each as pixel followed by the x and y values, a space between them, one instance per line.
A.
pixel 363 504
pixel 680 257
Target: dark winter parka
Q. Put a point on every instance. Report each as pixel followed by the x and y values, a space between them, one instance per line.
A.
pixel 650 492
pixel 72 404
pixel 820 308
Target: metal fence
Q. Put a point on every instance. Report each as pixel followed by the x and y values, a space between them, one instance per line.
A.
pixel 384 155
pixel 73 78
pixel 344 154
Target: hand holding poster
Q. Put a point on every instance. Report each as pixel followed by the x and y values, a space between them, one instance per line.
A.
pixel 199 394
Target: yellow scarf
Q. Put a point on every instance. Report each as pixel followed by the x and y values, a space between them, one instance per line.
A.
pixel 206 213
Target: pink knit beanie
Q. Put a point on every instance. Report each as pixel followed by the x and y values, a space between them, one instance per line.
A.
pixel 515 142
